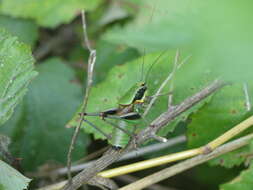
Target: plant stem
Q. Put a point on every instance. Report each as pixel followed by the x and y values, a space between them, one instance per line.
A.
pixel 91 63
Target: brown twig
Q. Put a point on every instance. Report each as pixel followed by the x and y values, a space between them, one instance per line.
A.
pixel 91 63
pixel 171 114
pixel 113 154
pixel 84 176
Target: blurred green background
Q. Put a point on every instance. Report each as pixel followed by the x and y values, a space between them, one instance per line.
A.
pixel 216 35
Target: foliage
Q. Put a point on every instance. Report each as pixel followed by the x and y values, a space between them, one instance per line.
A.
pixel 16 71
pixel 53 13
pixel 11 179
pixel 208 29
pixel 46 108
pixel 226 109
pixel 213 39
pixel 243 181
pixel 25 30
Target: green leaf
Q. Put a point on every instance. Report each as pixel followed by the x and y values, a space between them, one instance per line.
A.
pixel 109 55
pixel 121 78
pixel 226 109
pixel 47 13
pixel 192 26
pixel 38 131
pixel 153 27
pixel 11 179
pixel 242 182
pixel 213 175
pixel 25 30
pixel 16 72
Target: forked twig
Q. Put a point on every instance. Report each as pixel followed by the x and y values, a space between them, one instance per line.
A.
pixel 91 63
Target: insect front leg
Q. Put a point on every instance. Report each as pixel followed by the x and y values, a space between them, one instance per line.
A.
pixel 102 114
pixel 97 128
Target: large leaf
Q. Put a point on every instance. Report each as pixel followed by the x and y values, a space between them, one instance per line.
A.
pixel 25 30
pixel 16 72
pixel 48 13
pixel 11 179
pixel 108 55
pixel 37 130
pixel 217 38
pixel 242 182
pixel 121 78
pixel 226 109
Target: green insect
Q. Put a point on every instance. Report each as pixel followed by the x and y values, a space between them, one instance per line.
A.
pixel 128 112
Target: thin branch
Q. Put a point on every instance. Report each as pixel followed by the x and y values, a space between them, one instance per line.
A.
pixel 187 164
pixel 85 175
pixel 247 99
pixel 229 134
pixel 170 115
pixel 91 63
pixel 162 86
pixel 170 97
pixel 86 39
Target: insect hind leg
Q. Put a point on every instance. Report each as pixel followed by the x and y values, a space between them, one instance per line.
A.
pixel 118 127
pixel 102 114
pixel 97 128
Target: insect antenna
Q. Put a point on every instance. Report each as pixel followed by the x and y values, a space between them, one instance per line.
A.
pixel 150 68
pixel 142 65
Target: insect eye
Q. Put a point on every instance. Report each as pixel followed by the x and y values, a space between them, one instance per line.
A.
pixel 142 84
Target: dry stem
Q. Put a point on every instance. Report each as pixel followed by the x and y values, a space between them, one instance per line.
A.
pixel 91 63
